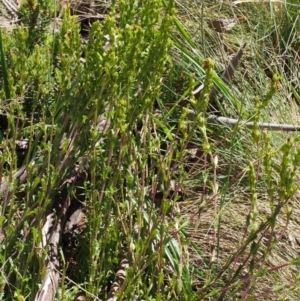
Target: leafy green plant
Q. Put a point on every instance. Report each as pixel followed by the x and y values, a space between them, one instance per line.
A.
pixel 114 130
pixel 97 110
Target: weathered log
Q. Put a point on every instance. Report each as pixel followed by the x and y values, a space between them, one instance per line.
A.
pixel 53 231
pixel 119 280
pixel 51 235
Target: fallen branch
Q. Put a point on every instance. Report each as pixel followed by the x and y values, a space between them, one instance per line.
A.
pixel 220 120
pixel 119 280
pixel 227 74
pixel 51 235
pixel 262 125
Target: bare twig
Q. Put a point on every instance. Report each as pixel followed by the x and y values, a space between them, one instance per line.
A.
pixel 227 74
pixel 220 120
pixel 262 125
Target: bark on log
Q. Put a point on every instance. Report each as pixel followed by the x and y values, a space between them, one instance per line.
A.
pixel 51 235
pixel 119 280
pixel 53 230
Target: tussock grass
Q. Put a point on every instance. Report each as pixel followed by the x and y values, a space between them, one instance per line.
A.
pixel 261 25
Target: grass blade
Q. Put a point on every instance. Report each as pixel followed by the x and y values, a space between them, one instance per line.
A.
pixel 4 68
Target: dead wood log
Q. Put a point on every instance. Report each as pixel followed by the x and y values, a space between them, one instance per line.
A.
pixel 53 230
pixel 51 235
pixel 119 280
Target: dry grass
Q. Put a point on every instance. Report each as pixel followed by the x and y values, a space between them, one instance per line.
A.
pixel 232 235
pixel 257 25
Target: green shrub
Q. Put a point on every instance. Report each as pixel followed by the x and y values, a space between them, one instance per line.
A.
pixel 109 130
pixel 59 91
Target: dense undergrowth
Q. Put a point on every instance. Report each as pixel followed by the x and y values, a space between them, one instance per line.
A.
pixel 199 210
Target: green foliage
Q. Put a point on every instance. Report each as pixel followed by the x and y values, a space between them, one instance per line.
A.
pixel 121 104
pixel 56 93
pixel 289 27
pixel 36 17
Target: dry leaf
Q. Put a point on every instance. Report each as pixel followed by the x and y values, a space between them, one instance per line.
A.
pixel 222 25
